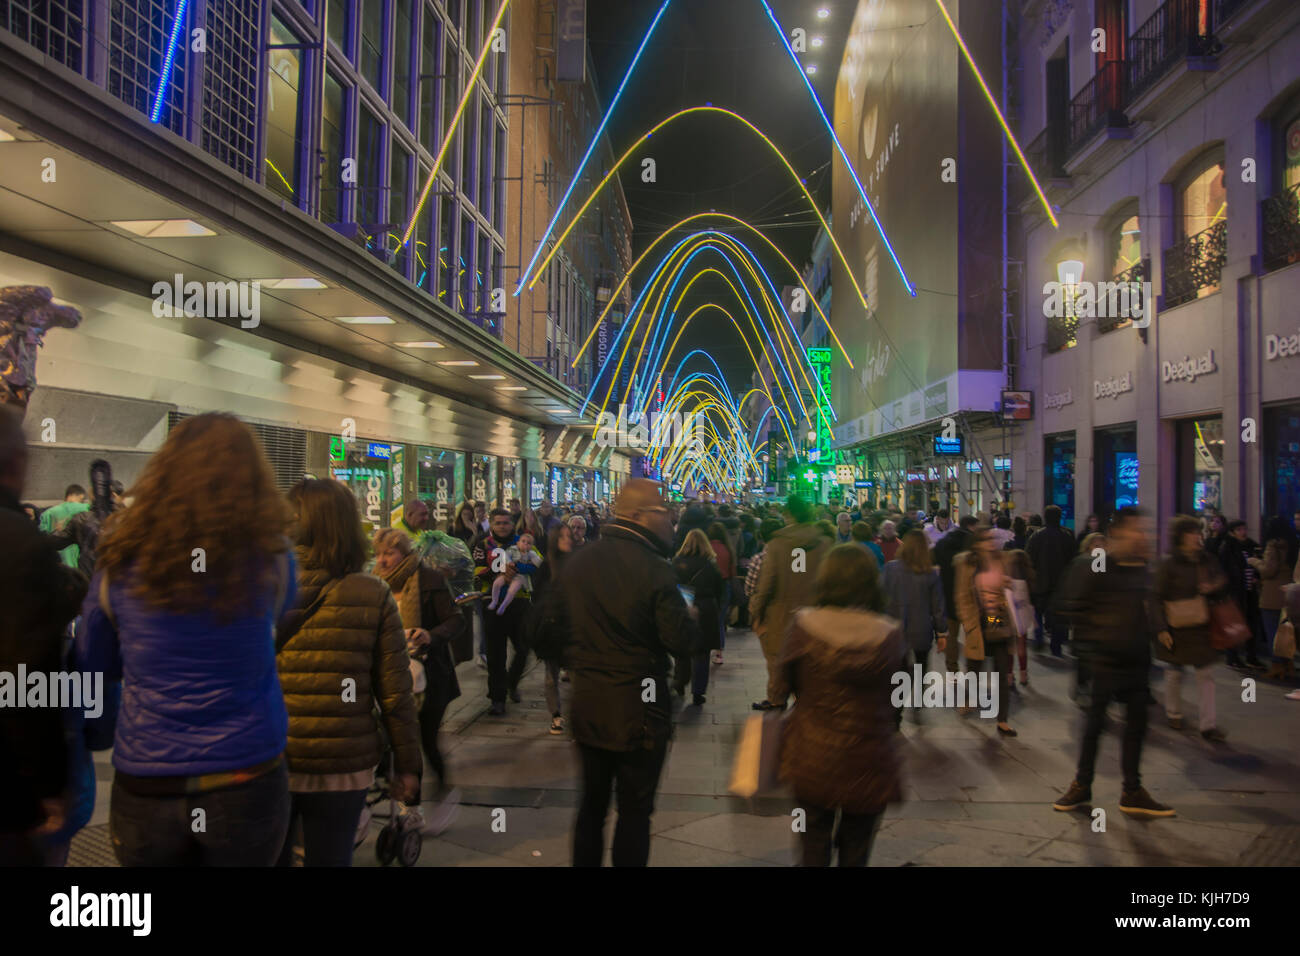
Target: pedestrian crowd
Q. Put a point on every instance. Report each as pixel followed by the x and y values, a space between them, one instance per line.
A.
pixel 281 669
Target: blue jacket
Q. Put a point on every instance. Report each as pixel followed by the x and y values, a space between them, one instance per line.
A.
pixel 198 696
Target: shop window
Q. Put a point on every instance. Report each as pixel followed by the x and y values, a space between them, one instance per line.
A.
pixel 1200 465
pixel 399 162
pixel 1282 459
pixel 1117 471
pixel 1059 476
pixel 439 476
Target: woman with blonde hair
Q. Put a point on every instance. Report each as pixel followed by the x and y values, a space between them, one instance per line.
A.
pixel 979 591
pixel 190 582
pixel 696 565
pixel 341 652
pixel 433 624
pixel 914 594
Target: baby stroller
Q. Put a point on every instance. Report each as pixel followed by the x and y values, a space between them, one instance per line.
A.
pixel 400 838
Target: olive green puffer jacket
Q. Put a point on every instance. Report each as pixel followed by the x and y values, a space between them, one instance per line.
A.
pixel 356 634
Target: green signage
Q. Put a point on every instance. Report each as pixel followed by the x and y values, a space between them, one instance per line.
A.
pixel 337 454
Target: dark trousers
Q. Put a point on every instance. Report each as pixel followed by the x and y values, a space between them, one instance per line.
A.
pixel 1051 625
pixel 244 825
pixel 1000 652
pixel 1130 689
pixel 329 827
pixel 435 705
pixel 498 629
pixel 854 837
pixel 637 775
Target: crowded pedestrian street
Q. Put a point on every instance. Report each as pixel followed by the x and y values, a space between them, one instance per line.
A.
pixel 614 435
pixel 971 799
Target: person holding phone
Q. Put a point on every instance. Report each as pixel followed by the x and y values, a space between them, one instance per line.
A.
pixel 698 576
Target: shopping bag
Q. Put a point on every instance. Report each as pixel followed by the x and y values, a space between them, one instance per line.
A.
pixel 758 758
pixel 1284 641
pixel 1020 606
pixel 1228 628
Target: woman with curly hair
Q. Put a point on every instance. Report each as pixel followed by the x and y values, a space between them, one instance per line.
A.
pixel 182 610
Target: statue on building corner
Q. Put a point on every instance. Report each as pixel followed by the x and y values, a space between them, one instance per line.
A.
pixel 27 312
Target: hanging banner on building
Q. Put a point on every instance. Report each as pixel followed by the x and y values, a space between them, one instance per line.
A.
pixel 397 471
pixel 571 41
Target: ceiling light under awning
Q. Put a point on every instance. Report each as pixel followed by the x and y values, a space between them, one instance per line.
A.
pixel 163 228
pixel 366 320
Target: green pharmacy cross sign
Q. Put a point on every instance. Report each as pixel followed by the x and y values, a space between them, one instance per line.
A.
pixel 820 360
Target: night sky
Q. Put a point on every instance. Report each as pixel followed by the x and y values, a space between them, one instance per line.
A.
pixel 723 52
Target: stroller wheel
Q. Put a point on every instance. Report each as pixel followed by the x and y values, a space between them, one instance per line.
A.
pixel 386 844
pixel 409 845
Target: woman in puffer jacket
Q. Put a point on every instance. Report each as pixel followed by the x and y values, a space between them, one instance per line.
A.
pixel 341 651
pixel 838 750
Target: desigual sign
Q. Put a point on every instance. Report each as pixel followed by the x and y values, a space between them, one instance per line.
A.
pixel 1113 387
pixel 1189 369
pixel 1281 346
pixel 1059 399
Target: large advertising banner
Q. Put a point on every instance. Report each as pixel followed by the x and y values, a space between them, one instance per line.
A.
pixel 914 124
pixel 896 114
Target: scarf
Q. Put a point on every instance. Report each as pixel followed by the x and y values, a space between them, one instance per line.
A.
pixel 404 580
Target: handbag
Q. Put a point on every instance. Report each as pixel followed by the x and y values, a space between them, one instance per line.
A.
pixel 758 758
pixel 1228 628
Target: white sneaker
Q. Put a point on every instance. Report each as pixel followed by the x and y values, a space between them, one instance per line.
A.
pixel 1294 695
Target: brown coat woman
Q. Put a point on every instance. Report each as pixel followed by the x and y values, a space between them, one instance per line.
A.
pixel 839 749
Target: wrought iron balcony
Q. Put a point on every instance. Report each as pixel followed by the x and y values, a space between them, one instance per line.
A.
pixel 1140 272
pixel 1097 106
pixel 1195 264
pixel 1281 216
pixel 1175 31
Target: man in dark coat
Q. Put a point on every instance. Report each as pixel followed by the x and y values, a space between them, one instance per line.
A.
pixel 625 616
pixel 1050 551
pixel 1111 606
pixel 39 595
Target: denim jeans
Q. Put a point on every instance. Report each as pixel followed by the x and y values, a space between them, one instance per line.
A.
pixel 244 825
pixel 1270 619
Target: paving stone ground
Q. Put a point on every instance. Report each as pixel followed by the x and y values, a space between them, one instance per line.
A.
pixel 972 797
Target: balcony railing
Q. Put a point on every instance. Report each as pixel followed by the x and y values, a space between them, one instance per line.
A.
pixel 1281 215
pixel 1097 106
pixel 1173 32
pixel 1140 272
pixel 1195 264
